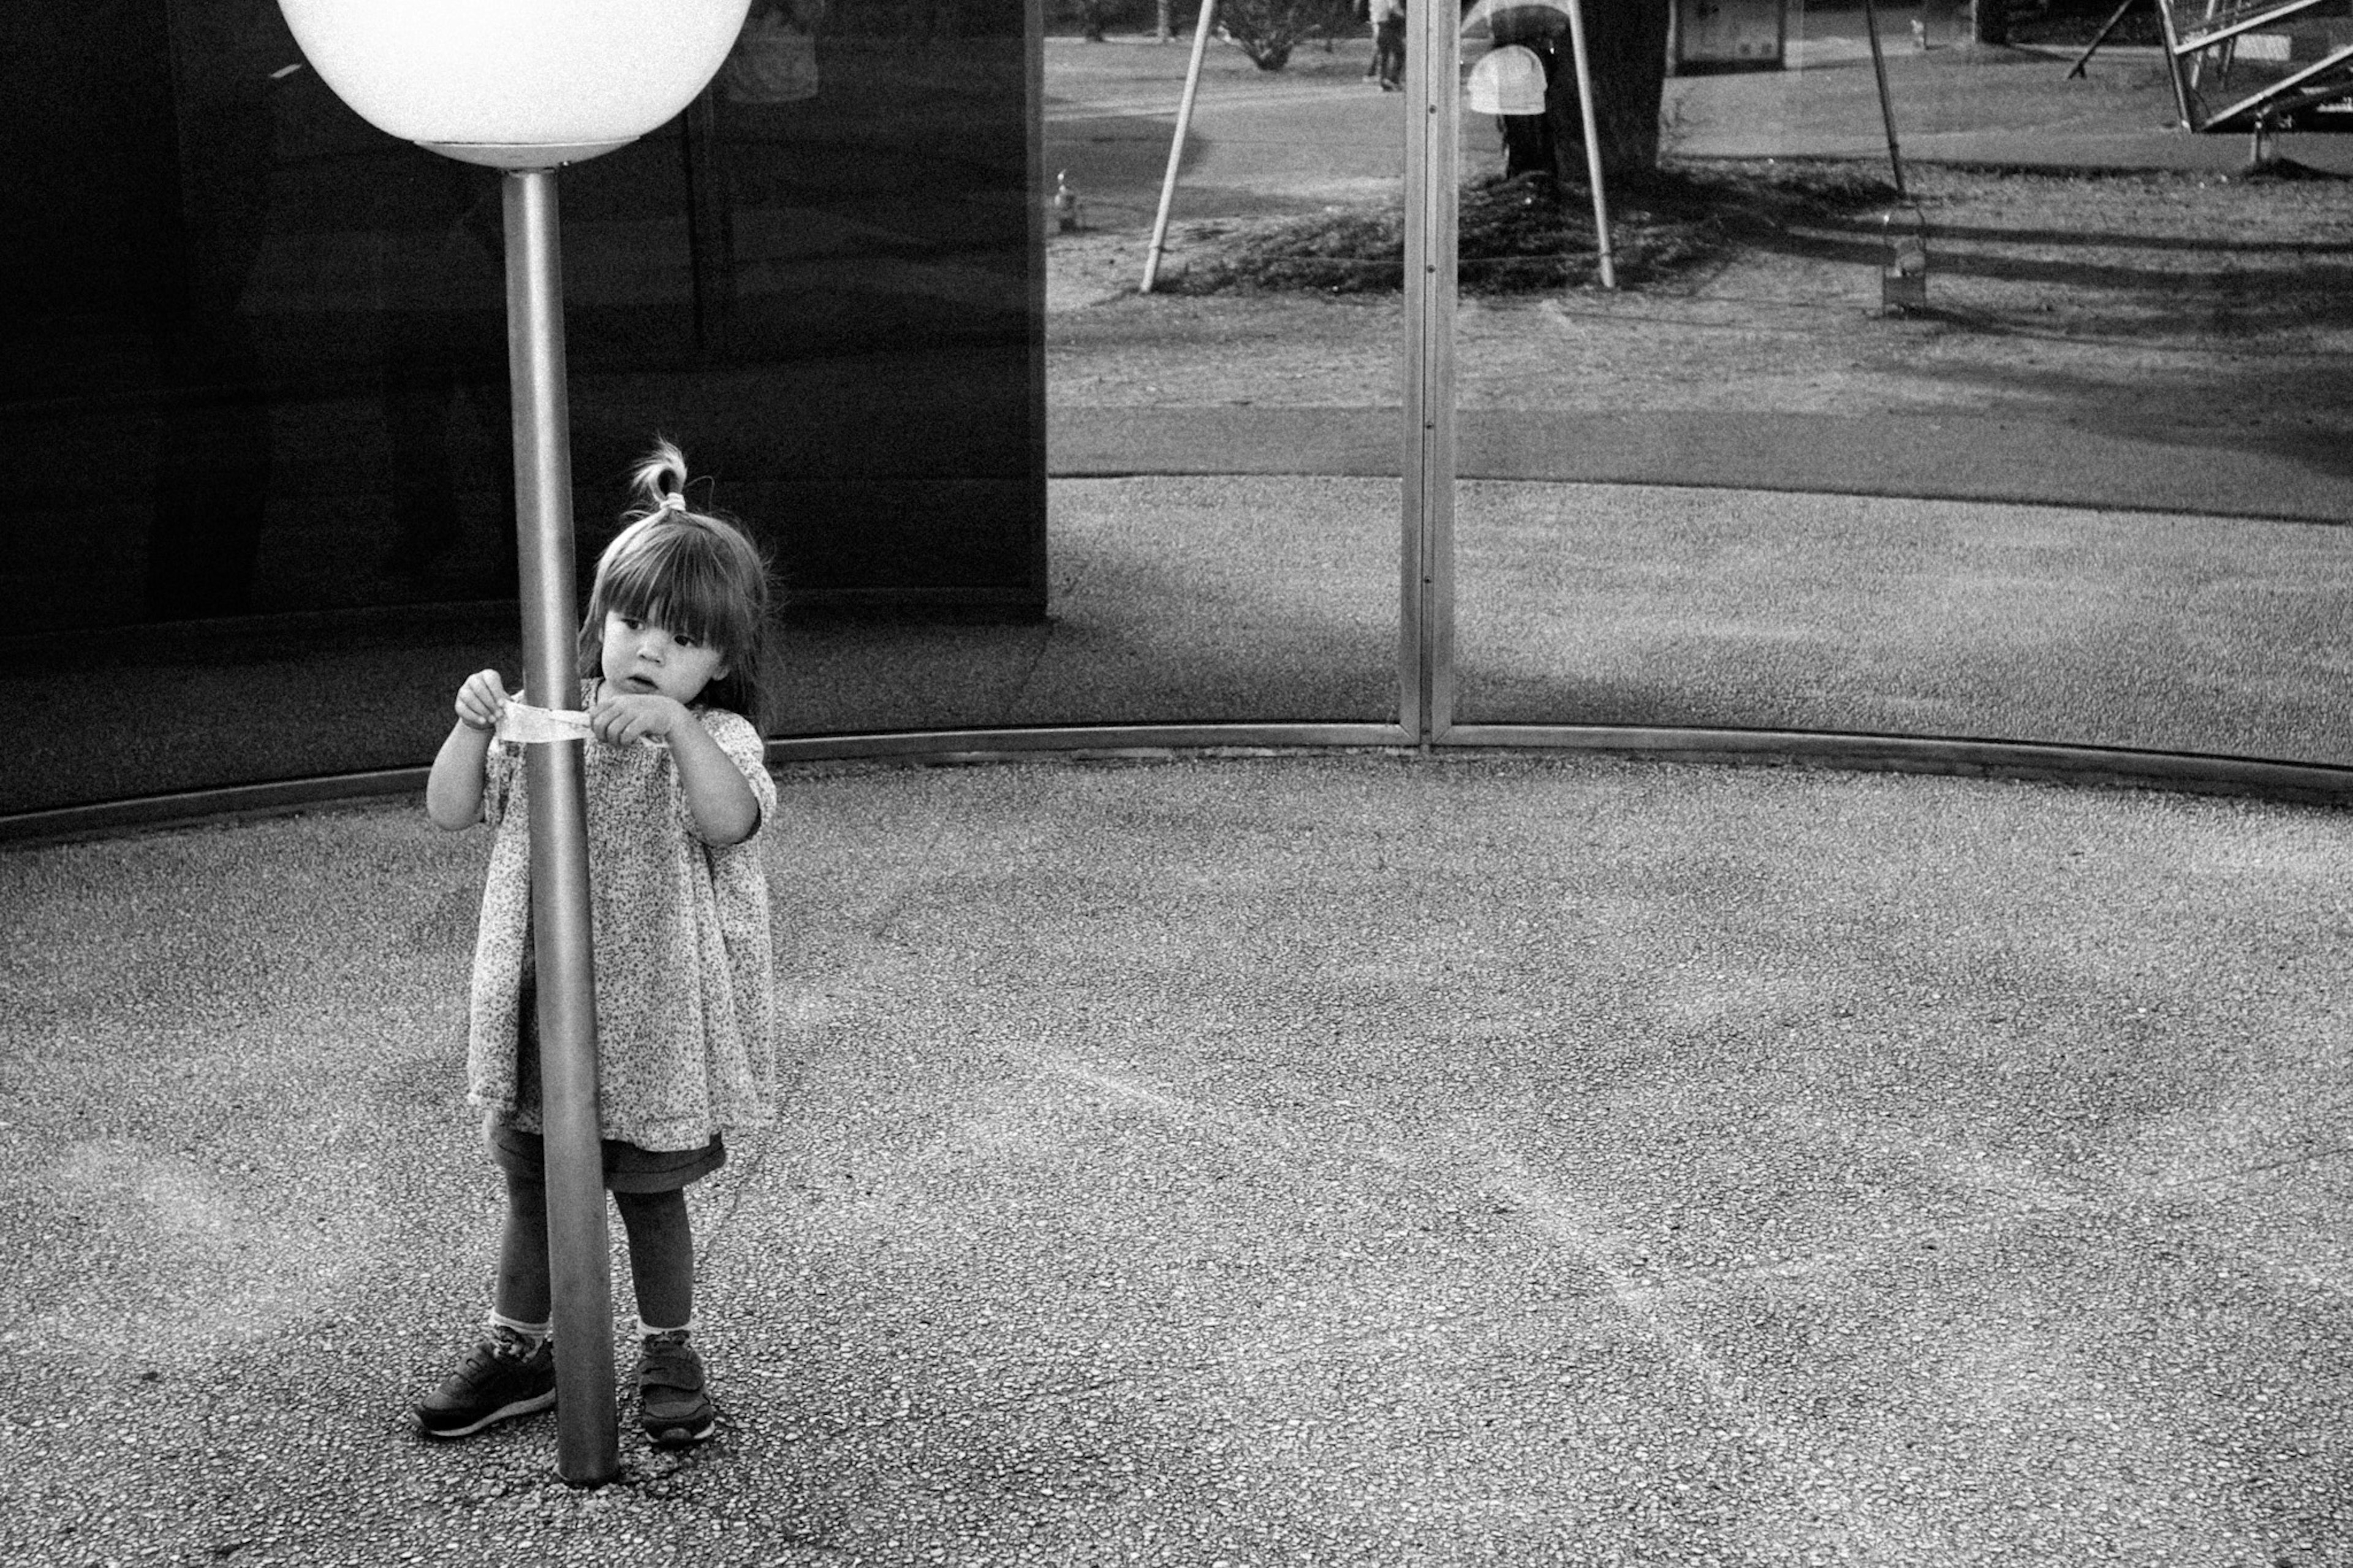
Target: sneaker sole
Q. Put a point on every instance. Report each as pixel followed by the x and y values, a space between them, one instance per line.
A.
pixel 531 1406
pixel 681 1435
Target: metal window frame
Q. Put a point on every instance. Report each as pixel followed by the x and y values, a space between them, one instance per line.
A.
pixel 1426 570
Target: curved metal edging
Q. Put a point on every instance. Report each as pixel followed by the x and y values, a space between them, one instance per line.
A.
pixel 1081 740
pixel 106 817
pixel 2121 767
pixel 2300 784
pixel 101 818
pixel 2308 783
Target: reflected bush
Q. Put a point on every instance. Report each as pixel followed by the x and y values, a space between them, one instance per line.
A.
pixel 1530 232
pixel 1268 30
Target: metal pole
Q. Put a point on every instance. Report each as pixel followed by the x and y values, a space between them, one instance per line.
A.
pixel 587 1439
pixel 2173 69
pixel 1176 145
pixel 1592 143
pixel 2114 18
pixel 1432 156
pixel 1886 109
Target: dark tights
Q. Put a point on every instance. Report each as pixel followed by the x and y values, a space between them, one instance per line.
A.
pixel 661 1254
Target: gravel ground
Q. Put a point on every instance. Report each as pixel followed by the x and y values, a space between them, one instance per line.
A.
pixel 1255 1160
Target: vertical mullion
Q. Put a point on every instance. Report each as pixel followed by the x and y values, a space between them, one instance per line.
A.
pixel 1426 642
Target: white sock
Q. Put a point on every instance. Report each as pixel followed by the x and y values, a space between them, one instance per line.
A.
pixel 537 1333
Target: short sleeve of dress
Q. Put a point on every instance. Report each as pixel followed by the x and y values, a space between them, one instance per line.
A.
pixel 742 742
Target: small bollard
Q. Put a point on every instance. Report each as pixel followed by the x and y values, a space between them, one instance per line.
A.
pixel 2262 147
pixel 1903 278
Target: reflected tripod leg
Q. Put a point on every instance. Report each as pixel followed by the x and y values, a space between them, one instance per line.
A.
pixel 2101 37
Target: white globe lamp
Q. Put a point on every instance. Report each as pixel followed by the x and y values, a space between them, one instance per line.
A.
pixel 518 84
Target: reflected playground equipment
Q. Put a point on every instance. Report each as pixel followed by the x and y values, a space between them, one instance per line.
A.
pixel 2257 65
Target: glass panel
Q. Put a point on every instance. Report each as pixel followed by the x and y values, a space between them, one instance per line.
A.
pixel 258 364
pixel 1224 448
pixel 2043 448
pixel 259 361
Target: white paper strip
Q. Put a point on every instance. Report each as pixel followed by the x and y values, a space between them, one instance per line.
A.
pixel 529 726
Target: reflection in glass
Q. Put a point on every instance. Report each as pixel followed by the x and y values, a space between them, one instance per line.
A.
pixel 1997 466
pixel 1225 514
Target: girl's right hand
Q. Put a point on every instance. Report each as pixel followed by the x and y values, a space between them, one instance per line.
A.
pixel 482 700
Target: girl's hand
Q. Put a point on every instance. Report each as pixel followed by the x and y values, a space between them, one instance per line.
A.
pixel 619 721
pixel 482 700
pixel 453 791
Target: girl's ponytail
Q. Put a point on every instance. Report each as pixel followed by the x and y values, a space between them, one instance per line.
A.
pixel 661 478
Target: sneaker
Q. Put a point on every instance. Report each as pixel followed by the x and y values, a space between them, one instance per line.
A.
pixel 672 1407
pixel 504 1376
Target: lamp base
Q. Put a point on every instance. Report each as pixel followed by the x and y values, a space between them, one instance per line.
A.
pixel 523 154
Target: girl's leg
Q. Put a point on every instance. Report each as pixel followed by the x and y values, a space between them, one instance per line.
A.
pixel 672 1405
pixel 511 1372
pixel 661 1256
pixel 523 1295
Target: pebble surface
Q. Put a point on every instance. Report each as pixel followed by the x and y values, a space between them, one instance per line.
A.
pixel 1334 1159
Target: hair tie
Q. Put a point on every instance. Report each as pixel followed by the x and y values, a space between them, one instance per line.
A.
pixel 673 501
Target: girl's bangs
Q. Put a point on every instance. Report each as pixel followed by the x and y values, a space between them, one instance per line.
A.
pixel 700 579
pixel 668 581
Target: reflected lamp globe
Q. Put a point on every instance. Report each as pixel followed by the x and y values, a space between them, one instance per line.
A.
pixel 516 84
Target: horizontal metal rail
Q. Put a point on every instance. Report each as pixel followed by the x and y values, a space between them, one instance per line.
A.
pixel 1084 740
pixel 2307 784
pixel 2191 43
pixel 2262 778
pixel 100 819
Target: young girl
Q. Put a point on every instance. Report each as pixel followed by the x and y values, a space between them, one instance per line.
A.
pixel 670 655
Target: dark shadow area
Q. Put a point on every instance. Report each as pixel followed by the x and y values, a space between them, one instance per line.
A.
pixel 2253 303
pixel 1956 233
pixel 2194 410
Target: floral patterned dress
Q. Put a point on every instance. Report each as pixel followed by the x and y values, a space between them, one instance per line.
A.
pixel 686 1005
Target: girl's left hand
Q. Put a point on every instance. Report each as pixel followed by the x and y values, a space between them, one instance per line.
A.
pixel 620 720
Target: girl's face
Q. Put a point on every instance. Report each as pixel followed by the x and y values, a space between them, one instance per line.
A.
pixel 643 658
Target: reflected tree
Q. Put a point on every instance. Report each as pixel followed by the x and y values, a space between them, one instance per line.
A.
pixel 1627 43
pixel 1268 30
